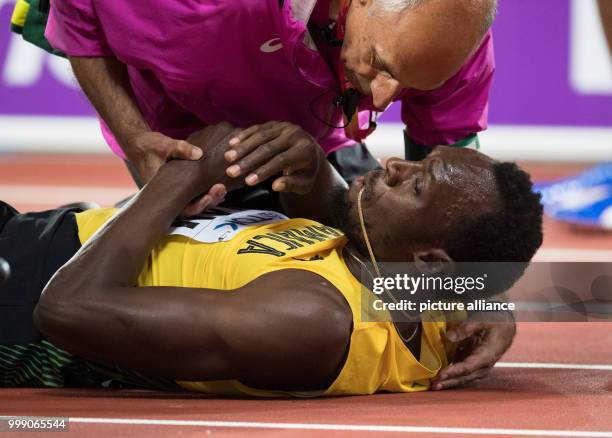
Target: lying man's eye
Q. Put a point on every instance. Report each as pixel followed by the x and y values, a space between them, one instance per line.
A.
pixel 417 186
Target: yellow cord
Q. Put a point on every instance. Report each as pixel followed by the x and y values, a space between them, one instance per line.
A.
pixel 365 234
pixel 375 264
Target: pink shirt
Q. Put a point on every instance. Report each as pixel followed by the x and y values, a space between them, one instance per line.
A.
pixel 198 62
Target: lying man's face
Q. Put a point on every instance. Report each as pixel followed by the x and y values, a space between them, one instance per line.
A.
pixel 413 205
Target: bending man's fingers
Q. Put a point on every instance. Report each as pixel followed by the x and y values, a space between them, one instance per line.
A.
pixel 183 150
pixel 291 160
pixel 244 134
pixel 257 158
pixel 250 139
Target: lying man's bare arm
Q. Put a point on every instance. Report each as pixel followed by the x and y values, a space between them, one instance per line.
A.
pixel 92 308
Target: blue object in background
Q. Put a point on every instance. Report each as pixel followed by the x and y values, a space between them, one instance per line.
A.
pixel 585 199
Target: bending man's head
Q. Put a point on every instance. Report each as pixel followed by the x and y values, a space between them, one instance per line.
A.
pixel 394 44
pixel 457 204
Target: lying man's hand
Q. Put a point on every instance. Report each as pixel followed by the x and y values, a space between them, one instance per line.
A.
pixel 262 151
pixel 484 338
pixel 213 139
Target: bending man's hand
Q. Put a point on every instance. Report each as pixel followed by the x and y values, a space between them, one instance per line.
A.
pixel 262 151
pixel 483 338
pixel 155 149
pixel 150 150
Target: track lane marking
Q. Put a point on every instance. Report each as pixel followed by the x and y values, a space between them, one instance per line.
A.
pixel 342 427
pixel 554 366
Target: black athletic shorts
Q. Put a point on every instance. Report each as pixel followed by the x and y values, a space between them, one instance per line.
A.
pixel 35 245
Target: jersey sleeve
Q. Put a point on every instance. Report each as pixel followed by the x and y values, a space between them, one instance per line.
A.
pixel 74 28
pixel 458 109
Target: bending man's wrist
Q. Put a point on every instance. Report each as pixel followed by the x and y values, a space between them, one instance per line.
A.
pixel 129 141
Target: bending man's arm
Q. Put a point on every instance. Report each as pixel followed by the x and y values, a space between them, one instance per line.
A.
pixel 605 11
pixel 256 334
pixel 106 83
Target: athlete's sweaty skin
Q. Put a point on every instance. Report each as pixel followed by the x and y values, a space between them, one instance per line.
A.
pixel 92 309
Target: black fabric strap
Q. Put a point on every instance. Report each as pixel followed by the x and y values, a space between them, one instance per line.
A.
pixel 35 245
pixel 44 6
pixel 6 213
pixel 414 151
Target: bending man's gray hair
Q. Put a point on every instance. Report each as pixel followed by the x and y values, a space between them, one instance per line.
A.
pixel 393 6
pixel 382 7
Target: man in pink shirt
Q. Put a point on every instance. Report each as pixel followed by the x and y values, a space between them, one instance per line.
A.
pixel 156 71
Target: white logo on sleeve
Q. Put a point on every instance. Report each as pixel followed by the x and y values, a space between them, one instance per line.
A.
pixel 222 224
pixel 271 46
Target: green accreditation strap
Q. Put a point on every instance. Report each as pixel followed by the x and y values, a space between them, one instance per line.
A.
pixel 416 152
pixel 29 19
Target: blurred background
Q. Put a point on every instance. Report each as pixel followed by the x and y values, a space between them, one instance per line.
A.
pixel 551 99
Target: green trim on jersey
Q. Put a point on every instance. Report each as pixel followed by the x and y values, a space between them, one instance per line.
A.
pixel 37 364
pixel 43 365
pixel 472 140
pixel 29 19
pixel 417 152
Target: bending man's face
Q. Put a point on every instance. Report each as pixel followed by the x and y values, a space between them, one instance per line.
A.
pixel 419 49
pixel 414 205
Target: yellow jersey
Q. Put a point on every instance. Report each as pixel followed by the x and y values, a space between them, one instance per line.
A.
pixel 228 249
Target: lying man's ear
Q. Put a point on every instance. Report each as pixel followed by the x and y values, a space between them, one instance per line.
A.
pixel 434 262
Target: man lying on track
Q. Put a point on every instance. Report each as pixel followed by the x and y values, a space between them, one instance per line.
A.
pixel 251 302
